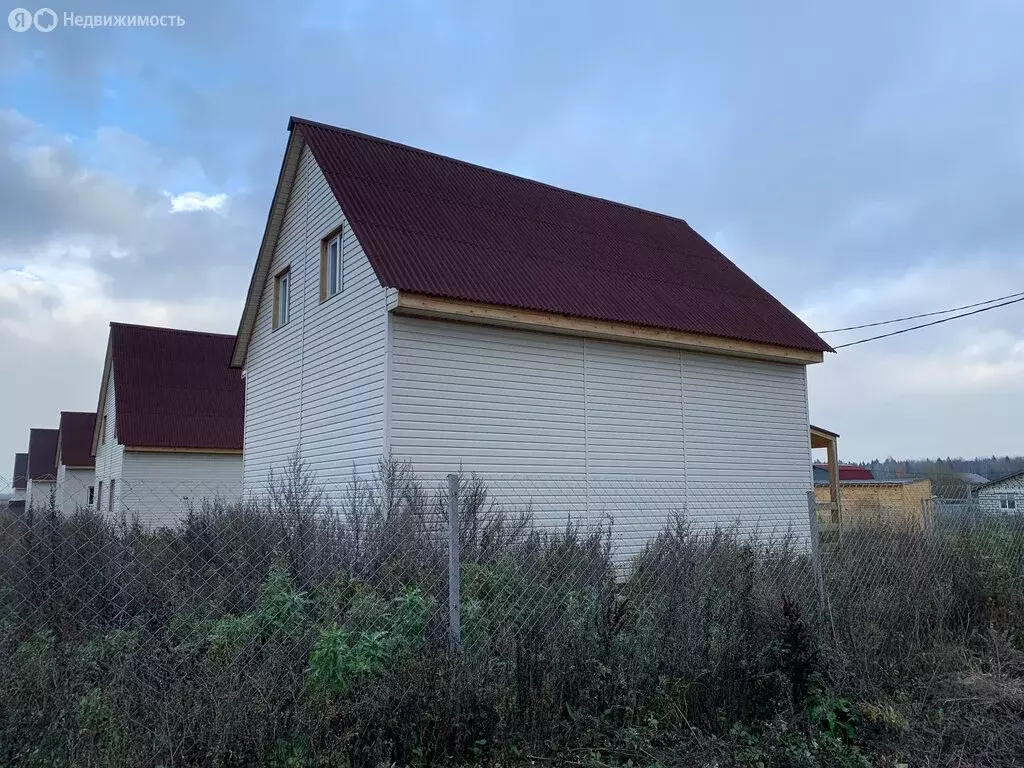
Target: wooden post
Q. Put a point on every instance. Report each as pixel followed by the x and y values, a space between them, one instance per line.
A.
pixel 834 493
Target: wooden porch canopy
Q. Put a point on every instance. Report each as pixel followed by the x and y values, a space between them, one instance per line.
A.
pixel 823 438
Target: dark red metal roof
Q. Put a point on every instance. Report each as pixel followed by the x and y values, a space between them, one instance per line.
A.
pixel 442 227
pixel 42 454
pixel 75 443
pixel 20 481
pixel 174 389
pixel 850 472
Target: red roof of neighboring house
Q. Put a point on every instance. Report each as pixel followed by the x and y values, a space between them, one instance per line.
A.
pixel 433 225
pixel 42 454
pixel 75 442
pixel 20 479
pixel 850 472
pixel 174 389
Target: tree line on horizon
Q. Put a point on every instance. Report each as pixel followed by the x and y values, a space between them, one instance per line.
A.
pixel 989 467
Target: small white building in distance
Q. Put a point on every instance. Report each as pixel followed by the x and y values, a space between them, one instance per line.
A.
pixel 76 466
pixel 169 428
pixel 1004 496
pixel 584 357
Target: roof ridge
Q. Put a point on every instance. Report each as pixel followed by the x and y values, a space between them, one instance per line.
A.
pixel 391 143
pixel 114 323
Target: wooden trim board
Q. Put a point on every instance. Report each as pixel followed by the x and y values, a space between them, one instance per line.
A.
pixel 158 449
pixel 488 314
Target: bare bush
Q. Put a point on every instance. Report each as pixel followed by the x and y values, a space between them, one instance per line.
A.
pixel 287 631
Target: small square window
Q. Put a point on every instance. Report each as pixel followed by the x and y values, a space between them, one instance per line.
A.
pixel 1008 501
pixel 282 298
pixel 332 265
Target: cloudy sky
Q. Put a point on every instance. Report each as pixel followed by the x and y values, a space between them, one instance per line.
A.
pixel 861 164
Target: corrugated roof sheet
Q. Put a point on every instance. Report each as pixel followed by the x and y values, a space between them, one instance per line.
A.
pixel 20 481
pixel 174 389
pixel 850 472
pixel 42 454
pixel 76 428
pixel 442 227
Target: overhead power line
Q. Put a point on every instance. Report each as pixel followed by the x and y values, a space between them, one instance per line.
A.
pixel 925 314
pixel 925 325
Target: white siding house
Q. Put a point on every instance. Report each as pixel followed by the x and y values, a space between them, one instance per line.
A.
pixel 473 333
pixel 42 468
pixel 76 471
pixel 1004 496
pixel 177 441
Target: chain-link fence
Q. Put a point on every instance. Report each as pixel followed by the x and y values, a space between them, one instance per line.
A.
pixel 391 618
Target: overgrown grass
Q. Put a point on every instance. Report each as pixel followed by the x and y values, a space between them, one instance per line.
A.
pixel 281 632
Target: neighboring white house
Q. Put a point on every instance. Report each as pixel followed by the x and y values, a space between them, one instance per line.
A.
pixel 583 357
pixel 169 428
pixel 76 466
pixel 19 483
pixel 42 467
pixel 1004 496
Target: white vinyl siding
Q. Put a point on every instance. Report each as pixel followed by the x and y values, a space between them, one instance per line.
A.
pixel 748 453
pixel 37 493
pixel 316 386
pixel 109 452
pixel 158 488
pixel 73 488
pixel 635 453
pixel 633 433
pixel 496 402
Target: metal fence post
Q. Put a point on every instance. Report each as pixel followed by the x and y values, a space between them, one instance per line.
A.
pixel 819 578
pixel 454 619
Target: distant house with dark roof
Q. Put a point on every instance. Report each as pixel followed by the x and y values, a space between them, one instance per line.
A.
pixel 19 482
pixel 169 426
pixel 42 467
pixel 1004 496
pixel 76 466
pixel 408 304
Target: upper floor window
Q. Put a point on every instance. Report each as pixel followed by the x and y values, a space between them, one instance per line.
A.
pixel 1008 501
pixel 282 297
pixel 332 264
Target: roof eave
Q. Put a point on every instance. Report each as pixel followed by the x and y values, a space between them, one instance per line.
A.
pixel 102 402
pixel 275 218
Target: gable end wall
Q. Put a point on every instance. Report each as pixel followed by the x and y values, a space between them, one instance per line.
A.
pixel 316 386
